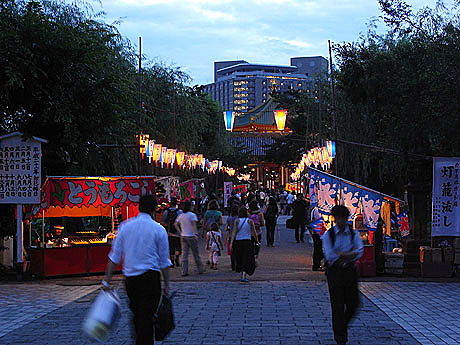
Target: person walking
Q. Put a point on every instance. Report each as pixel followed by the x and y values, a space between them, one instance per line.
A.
pixel 167 219
pixel 258 219
pixel 242 245
pixel 214 245
pixel 271 216
pixel 317 242
pixel 299 207
pixel 228 233
pixel 212 215
pixel 142 246
pixel 186 224
pixel 342 248
pixel 290 198
pixel 283 202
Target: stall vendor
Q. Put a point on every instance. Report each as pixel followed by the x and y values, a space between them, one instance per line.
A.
pixel 55 234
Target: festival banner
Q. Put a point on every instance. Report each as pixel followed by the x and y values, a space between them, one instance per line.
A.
pixel 446 195
pixel 187 191
pixel 372 203
pixel 228 187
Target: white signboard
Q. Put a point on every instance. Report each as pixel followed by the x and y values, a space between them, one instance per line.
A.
pixel 446 197
pixel 228 187
pixel 20 169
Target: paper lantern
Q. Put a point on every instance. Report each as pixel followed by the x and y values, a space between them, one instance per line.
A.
pixel 180 158
pixel 280 118
pixel 164 150
pixel 157 152
pixel 331 148
pixel 143 143
pixel 150 148
pixel 229 120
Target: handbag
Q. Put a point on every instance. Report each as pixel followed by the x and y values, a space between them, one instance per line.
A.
pixel 103 315
pixel 219 253
pixel 290 223
pixel 164 318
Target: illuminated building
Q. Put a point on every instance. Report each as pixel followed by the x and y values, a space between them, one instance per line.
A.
pixel 240 86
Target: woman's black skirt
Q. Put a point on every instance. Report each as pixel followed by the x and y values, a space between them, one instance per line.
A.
pixel 243 251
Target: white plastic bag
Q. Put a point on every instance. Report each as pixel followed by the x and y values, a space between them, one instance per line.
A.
pixel 102 316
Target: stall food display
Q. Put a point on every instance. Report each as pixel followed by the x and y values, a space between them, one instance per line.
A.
pixel 83 251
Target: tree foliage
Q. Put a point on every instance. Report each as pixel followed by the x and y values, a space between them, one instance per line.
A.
pixel 70 78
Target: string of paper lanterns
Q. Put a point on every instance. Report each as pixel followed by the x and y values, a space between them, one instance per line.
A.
pixel 159 154
pixel 317 156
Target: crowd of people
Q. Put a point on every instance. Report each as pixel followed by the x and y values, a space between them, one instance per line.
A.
pixel 143 244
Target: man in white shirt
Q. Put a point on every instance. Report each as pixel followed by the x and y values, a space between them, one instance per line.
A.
pixel 290 200
pixel 142 246
pixel 186 225
pixel 342 248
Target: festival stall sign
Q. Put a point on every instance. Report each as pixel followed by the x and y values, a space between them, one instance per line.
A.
pixel 167 188
pixel 446 197
pixel 327 190
pixel 91 196
pixel 187 190
pixel 228 188
pixel 20 169
pixel 241 188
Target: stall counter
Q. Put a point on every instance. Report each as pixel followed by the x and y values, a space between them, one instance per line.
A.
pixel 84 259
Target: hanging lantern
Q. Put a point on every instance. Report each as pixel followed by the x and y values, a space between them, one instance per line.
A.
pixel 157 152
pixel 331 148
pixel 229 119
pixel 149 152
pixel 143 143
pixel 280 118
pixel 164 150
pixel 180 157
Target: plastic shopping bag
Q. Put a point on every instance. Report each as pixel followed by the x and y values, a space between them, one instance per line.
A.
pixel 102 316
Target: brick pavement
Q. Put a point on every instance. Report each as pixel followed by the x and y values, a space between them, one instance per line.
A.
pixel 430 312
pixel 221 313
pixel 24 303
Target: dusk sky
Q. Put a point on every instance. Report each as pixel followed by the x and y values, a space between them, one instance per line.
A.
pixel 192 34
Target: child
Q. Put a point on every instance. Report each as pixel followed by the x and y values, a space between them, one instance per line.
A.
pixel 214 244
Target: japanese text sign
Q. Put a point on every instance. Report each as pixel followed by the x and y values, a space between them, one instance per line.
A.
pixel 446 197
pixel 20 169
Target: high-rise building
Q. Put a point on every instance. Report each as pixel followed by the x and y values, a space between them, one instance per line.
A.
pixel 241 86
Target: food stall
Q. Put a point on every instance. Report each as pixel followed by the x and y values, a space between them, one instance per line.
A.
pixel 367 208
pixel 77 249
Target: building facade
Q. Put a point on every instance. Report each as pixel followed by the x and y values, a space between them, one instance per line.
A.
pixel 241 86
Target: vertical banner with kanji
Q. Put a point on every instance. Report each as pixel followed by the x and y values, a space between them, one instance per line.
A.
pixel 186 191
pixel 20 169
pixel 446 195
pixel 228 187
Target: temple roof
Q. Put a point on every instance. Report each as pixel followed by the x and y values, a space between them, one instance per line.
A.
pixel 259 119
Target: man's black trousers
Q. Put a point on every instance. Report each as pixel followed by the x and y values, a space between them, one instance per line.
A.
pixel 299 227
pixel 144 293
pixel 344 295
pixel 317 250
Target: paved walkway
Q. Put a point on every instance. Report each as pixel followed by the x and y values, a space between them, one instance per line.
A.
pixel 21 304
pixel 430 312
pixel 285 303
pixel 221 313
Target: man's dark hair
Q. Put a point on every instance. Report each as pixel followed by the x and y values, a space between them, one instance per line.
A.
pixel 254 205
pixel 340 211
pixel 243 212
pixel 173 202
pixel 213 205
pixel 186 206
pixel 234 210
pixel 147 203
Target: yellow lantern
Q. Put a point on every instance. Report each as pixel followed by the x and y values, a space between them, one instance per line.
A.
pixel 280 118
pixel 157 152
pixel 180 157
